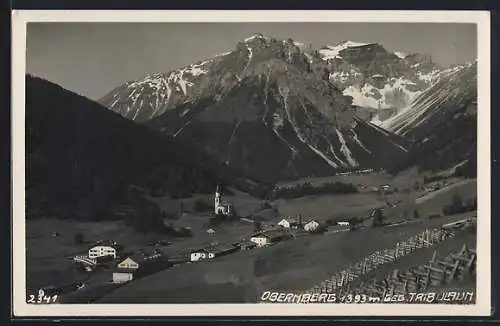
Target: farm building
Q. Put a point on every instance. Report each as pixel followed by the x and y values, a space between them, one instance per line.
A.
pixel 311 226
pixel 201 254
pixel 385 187
pixel 137 265
pixel 290 222
pixel 343 223
pixel 339 228
pixel 211 231
pixel 245 245
pixel 260 240
pixel 268 237
pixel 284 223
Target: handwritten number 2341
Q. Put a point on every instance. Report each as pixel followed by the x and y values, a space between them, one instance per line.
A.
pixel 42 298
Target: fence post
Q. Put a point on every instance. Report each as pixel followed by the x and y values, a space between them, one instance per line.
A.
pixel 454 271
pixel 427 279
pixel 471 262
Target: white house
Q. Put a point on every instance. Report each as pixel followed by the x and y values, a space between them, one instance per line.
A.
pixel 201 255
pixel 260 240
pixel 125 270
pixel 284 223
pixel 311 226
pixel 220 207
pixel 290 222
pixel 101 251
pixel 385 187
pixel 139 264
pixel 343 223
pixel 211 231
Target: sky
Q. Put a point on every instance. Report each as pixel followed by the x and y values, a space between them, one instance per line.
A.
pixel 92 59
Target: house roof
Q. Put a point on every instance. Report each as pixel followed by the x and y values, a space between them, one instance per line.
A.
pixel 271 234
pixel 145 257
pixel 290 220
pixel 106 243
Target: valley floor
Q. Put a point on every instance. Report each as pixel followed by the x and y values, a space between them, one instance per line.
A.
pixel 242 276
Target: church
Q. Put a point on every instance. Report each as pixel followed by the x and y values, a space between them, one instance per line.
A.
pixel 221 207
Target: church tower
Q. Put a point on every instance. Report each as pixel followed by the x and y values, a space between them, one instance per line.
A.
pixel 217 199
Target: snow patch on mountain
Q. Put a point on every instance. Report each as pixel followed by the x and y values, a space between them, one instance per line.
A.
pixel 323 156
pixel 395 90
pixel 401 55
pixel 345 149
pixel 344 76
pixel 429 77
pixel 332 52
pixel 356 139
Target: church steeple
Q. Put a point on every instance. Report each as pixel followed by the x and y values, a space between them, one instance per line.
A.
pixel 217 198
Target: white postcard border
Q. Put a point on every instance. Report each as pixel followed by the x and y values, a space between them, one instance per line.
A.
pixel 21 309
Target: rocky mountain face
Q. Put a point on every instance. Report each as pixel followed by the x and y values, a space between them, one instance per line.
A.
pixel 442 121
pixel 81 157
pixel 267 107
pixel 380 83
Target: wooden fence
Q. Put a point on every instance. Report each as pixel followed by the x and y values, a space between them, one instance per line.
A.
pixel 435 273
pixel 424 239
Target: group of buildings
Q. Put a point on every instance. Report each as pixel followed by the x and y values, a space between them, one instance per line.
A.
pixel 310 225
pixel 128 266
pixel 124 266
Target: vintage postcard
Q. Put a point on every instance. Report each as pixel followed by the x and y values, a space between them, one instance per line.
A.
pixel 215 163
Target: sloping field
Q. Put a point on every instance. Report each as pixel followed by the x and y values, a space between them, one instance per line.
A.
pixel 243 276
pixel 433 203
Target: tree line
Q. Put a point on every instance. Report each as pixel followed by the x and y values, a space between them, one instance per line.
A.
pixel 306 188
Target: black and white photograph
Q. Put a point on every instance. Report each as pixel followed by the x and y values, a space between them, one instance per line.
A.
pixel 274 164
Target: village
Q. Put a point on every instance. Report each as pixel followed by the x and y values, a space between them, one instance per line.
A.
pixel 123 266
pixel 107 264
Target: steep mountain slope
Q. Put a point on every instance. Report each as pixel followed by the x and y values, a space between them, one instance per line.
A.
pixel 81 156
pixel 380 82
pixel 264 107
pixel 442 121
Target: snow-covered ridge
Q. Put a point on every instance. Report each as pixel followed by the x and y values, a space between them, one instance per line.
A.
pixel 401 55
pixel 331 52
pixel 257 36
